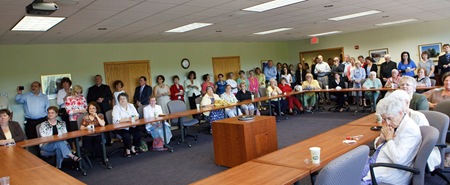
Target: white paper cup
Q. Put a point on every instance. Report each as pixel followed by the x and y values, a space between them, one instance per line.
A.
pixel 253 97
pixel 378 118
pixel 4 180
pixel 198 106
pixel 315 155
pixel 326 87
pixel 300 88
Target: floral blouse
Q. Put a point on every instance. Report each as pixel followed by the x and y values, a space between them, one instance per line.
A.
pixel 73 104
pixel 87 121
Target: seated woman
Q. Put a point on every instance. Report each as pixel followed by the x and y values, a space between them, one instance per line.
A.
pixel 398 143
pixel 124 112
pixel 230 98
pixel 338 84
pixel 422 78
pixel 242 95
pixel 59 148
pixel 155 129
pixel 273 90
pixel 436 96
pixel 94 119
pixel 208 101
pixel 392 82
pixel 11 131
pixel 309 98
pixel 292 100
pixel 372 82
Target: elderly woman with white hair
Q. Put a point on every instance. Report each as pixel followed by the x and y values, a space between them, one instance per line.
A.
pixel 418 101
pixel 309 98
pixel 398 143
pixel 393 81
pixel 372 83
pixel 273 90
pixel 419 118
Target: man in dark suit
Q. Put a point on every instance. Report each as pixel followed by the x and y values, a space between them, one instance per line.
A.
pixel 444 60
pixel 300 74
pixel 142 92
pixel 101 94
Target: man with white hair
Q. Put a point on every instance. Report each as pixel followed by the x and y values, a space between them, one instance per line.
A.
pixel 386 68
pixel 398 143
pixel 322 71
pixel 435 157
pixel 418 101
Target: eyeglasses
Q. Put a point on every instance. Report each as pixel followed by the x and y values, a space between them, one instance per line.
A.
pixel 405 85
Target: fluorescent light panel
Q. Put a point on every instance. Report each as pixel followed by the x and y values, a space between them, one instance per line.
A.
pixel 326 33
pixel 396 22
pixel 355 15
pixel 189 27
pixel 36 23
pixel 272 5
pixel 272 31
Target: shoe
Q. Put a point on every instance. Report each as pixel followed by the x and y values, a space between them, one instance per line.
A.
pixel 76 158
pixel 341 110
pixel 134 153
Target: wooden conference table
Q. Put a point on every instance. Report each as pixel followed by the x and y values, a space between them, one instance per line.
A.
pixel 25 168
pixel 293 156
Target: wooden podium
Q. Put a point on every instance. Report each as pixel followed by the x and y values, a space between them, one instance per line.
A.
pixel 236 142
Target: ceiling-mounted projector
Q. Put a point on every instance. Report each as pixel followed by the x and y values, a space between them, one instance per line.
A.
pixel 39 7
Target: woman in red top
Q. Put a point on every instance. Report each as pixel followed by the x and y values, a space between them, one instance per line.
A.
pixel 176 90
pixel 292 100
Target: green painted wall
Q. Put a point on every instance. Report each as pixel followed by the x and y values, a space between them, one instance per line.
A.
pixel 23 64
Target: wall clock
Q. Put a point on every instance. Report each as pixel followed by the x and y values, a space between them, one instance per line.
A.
pixel 185 63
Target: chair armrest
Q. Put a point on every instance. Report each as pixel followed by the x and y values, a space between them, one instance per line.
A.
pixel 390 165
pixel 441 146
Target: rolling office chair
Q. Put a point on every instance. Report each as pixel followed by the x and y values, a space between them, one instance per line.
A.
pixel 429 138
pixel 183 122
pixel 345 169
pixel 108 116
pixel 439 121
pixel 84 155
pixel 335 108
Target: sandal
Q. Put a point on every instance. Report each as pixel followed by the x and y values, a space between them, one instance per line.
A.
pixel 76 158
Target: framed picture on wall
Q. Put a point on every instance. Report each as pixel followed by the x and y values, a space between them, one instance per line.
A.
pixel 433 50
pixel 51 84
pixel 378 54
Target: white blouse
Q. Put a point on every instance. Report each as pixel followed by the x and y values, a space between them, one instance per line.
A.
pixel 119 112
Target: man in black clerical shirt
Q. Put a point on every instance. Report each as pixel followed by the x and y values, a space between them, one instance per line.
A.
pixel 386 69
pixel 101 94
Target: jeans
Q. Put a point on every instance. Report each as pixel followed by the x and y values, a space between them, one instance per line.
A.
pixel 60 148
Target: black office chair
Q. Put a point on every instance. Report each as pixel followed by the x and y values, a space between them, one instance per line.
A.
pixel 84 155
pixel 183 122
pixel 108 116
pixel 335 108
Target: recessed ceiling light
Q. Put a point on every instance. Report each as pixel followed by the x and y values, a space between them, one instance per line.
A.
pixel 396 22
pixel 189 27
pixel 36 23
pixel 272 5
pixel 351 16
pixel 326 33
pixel 272 31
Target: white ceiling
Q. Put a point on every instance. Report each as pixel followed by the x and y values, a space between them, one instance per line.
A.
pixel 146 20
